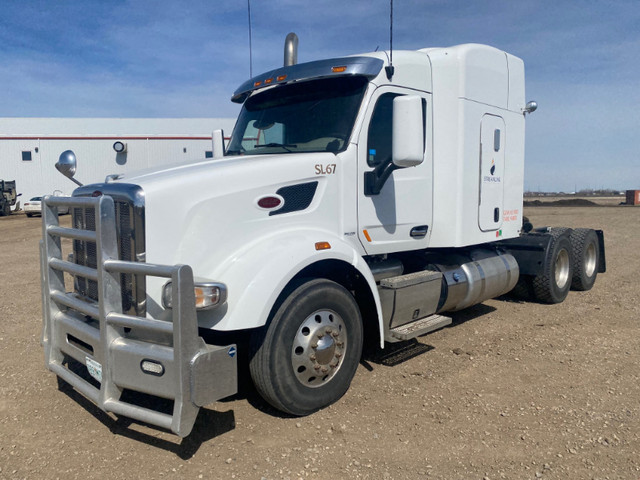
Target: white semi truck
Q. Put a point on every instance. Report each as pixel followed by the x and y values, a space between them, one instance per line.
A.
pixel 357 201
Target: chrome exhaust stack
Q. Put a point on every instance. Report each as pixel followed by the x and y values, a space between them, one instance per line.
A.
pixel 291 50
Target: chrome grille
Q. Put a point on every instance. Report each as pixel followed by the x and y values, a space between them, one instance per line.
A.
pixel 129 212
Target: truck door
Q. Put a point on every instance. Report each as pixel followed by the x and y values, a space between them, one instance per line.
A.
pixel 491 198
pixel 399 217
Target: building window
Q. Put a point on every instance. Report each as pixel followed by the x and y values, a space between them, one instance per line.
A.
pixel 208 154
pixel 26 156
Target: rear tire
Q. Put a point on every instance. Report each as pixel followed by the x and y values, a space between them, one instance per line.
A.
pixel 553 284
pixel 307 356
pixel 586 258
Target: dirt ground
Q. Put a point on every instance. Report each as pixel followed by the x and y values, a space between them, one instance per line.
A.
pixel 511 390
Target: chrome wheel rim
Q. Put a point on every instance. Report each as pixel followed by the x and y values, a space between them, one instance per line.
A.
pixel 318 348
pixel 590 258
pixel 562 268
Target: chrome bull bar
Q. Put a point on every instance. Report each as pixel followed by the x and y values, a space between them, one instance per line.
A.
pixel 167 359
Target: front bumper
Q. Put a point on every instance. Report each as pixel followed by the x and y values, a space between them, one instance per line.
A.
pixel 114 346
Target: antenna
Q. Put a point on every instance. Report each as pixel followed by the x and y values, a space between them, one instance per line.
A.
pixel 250 49
pixel 389 69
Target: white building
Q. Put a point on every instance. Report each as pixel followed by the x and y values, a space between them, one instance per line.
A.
pixel 30 147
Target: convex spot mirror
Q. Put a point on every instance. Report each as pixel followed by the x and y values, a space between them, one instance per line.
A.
pixel 408 131
pixel 66 165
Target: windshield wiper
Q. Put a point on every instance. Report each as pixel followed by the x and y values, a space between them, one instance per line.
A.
pixel 287 147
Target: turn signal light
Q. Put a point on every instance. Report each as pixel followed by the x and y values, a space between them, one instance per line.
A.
pixel 208 295
pixel 323 245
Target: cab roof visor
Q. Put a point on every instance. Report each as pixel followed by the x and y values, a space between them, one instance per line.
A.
pixel 365 66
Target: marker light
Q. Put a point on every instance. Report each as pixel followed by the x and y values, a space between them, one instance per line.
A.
pixel 208 295
pixel 339 69
pixel 269 202
pixel 257 84
pixel 268 81
pixel 152 367
pixel 366 235
pixel 323 245
pixel 280 78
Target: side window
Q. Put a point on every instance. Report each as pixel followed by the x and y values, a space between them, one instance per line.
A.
pixel 379 137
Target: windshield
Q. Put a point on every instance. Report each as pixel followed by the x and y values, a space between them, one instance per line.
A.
pixel 313 116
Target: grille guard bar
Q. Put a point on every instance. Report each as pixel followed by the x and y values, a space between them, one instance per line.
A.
pixel 113 345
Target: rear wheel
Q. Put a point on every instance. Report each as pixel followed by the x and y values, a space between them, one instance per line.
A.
pixel 586 256
pixel 309 353
pixel 554 283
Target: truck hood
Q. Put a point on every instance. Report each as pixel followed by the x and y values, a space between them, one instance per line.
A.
pixel 204 214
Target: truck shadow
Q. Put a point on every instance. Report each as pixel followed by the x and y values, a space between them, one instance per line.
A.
pixel 397 353
pixel 209 425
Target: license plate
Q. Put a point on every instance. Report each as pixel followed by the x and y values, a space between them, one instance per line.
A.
pixel 95 369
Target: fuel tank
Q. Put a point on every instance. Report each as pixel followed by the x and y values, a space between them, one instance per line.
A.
pixel 471 278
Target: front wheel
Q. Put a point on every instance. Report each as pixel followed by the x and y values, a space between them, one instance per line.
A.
pixel 307 356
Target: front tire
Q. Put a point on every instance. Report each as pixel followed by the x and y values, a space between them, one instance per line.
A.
pixel 307 356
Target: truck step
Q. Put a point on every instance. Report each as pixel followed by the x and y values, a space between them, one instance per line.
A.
pixel 419 327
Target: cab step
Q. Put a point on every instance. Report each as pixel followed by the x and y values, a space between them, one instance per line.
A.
pixel 419 327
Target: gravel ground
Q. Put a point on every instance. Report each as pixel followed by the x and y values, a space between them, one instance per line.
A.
pixel 511 390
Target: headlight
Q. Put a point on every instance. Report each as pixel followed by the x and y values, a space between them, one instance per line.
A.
pixel 208 295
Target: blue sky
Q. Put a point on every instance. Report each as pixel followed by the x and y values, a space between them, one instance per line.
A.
pixel 184 59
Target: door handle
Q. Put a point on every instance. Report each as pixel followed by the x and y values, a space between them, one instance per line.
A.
pixel 420 231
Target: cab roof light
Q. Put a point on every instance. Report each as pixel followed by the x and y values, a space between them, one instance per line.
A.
pixel 268 81
pixel 281 78
pixel 339 69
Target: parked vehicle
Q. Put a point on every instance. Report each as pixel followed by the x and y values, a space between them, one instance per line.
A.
pixel 358 201
pixel 8 196
pixel 34 207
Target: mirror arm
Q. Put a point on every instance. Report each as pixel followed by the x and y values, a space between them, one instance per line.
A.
pixel 76 181
pixel 376 178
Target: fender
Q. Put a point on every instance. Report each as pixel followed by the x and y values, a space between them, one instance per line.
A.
pixel 256 275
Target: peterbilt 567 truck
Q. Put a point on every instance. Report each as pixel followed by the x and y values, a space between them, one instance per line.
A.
pixel 357 202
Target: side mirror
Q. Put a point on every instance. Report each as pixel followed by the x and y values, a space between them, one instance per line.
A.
pixel 408 131
pixel 531 107
pixel 66 165
pixel 217 139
